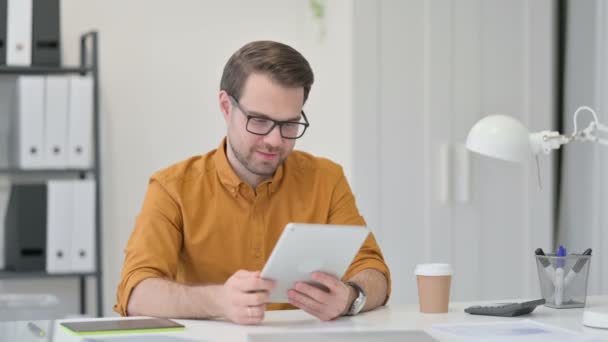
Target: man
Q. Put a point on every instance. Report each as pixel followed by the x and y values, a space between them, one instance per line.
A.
pixel 209 223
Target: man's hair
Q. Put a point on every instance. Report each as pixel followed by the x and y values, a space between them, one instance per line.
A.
pixel 282 63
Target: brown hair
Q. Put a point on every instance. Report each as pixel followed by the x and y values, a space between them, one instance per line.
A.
pixel 282 63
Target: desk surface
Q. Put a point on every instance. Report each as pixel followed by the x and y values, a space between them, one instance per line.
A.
pixel 388 318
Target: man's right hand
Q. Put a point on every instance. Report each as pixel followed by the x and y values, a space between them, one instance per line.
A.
pixel 243 297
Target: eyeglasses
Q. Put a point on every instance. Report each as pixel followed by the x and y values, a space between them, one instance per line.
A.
pixel 260 125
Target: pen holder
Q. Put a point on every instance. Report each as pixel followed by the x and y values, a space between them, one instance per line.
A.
pixel 563 279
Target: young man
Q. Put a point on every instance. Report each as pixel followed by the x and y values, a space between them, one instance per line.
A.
pixel 208 224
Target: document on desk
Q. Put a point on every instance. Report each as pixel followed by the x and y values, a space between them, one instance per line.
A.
pixel 522 330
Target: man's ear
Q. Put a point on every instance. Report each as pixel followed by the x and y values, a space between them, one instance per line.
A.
pixel 225 104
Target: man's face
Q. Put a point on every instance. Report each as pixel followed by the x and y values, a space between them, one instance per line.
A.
pixel 261 155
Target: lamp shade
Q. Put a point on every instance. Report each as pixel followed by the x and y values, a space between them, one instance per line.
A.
pixel 502 137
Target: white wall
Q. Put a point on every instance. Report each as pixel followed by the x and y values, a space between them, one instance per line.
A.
pixel 160 64
pixel 583 218
pixel 430 70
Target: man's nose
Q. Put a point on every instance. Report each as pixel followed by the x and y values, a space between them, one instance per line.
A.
pixel 274 138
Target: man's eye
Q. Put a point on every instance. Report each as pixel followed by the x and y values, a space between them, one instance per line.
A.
pixel 259 120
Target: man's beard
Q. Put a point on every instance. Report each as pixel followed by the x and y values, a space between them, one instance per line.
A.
pixel 259 168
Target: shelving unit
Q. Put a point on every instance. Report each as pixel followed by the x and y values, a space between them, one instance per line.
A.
pixel 88 66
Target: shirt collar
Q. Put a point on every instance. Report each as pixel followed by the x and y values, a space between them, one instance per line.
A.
pixel 232 181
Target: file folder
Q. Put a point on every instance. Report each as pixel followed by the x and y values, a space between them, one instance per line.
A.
pixel 80 117
pixel 46 49
pixel 58 228
pixel 30 121
pixel 5 191
pixel 7 98
pixel 19 32
pixel 25 228
pixel 83 226
pixel 56 122
pixel 3 22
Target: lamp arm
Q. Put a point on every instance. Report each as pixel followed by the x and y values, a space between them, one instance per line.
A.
pixel 547 141
pixel 578 110
pixel 591 133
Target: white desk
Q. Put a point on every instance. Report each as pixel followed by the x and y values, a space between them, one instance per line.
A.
pixel 389 318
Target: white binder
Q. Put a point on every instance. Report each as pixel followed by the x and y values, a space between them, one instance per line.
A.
pixel 83 226
pixel 59 226
pixel 7 98
pixel 56 122
pixel 30 117
pixel 80 117
pixel 19 32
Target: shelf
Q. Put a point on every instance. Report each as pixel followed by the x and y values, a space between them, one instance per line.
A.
pixel 44 171
pixel 20 70
pixel 7 274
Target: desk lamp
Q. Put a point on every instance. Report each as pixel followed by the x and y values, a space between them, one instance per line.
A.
pixel 504 137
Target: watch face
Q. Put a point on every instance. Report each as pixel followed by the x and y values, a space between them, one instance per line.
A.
pixel 359 303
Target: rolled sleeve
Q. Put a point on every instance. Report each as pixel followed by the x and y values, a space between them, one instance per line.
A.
pixel 370 256
pixel 344 211
pixel 155 243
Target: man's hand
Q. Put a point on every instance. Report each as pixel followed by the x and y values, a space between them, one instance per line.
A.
pixel 325 305
pixel 243 297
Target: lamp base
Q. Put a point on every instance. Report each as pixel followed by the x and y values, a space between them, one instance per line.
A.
pixel 596 317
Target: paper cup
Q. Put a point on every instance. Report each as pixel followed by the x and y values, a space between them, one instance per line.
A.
pixel 434 287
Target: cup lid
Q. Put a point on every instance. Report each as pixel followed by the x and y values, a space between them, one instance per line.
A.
pixel 433 269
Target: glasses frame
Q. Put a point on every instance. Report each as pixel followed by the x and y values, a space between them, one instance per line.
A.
pixel 275 123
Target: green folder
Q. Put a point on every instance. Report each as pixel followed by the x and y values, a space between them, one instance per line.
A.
pixel 122 326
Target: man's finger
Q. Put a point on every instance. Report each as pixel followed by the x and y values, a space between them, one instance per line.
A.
pixel 328 280
pixel 312 292
pixel 304 300
pixel 244 274
pixel 253 284
pixel 305 308
pixel 254 298
pixel 252 315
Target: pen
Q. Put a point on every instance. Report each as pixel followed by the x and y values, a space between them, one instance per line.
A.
pixel 36 329
pixel 559 275
pixel 577 267
pixel 546 264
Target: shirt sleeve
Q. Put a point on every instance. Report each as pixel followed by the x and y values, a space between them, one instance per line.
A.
pixel 344 211
pixel 153 248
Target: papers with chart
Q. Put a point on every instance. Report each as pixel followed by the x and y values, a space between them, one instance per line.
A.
pixel 513 331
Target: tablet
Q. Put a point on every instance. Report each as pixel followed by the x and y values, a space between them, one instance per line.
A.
pixel 115 326
pixel 306 248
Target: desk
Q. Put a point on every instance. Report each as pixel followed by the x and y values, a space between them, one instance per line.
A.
pixel 390 318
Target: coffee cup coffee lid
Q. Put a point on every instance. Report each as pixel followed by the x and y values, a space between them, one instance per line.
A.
pixel 433 269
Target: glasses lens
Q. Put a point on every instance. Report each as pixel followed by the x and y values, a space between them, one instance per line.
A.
pixel 259 125
pixel 292 130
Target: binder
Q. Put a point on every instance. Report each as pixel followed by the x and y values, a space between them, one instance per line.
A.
pixel 3 24
pixel 7 98
pixel 83 226
pixel 25 228
pixel 56 122
pixel 5 190
pixel 46 49
pixel 19 32
pixel 59 224
pixel 80 117
pixel 30 116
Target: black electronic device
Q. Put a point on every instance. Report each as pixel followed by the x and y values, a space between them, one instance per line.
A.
pixel 505 309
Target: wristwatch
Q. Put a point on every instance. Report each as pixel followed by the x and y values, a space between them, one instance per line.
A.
pixel 359 302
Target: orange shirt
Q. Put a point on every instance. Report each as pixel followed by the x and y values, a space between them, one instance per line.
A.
pixel 200 222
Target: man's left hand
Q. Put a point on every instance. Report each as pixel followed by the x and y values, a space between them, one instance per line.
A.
pixel 323 304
